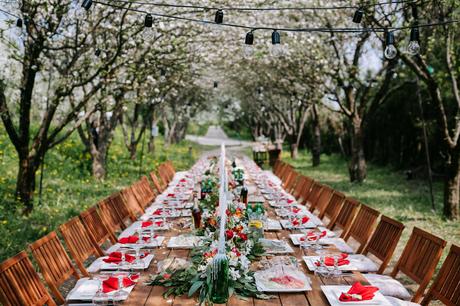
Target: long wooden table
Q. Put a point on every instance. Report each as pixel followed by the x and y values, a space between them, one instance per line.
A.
pixel 153 295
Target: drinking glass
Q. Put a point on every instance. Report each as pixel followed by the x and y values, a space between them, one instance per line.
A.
pixel 322 269
pixel 120 294
pixel 336 272
pixel 123 264
pixel 101 298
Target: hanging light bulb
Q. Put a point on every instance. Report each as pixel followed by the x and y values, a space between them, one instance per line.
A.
pixel 358 16
pixel 248 48
pixel 390 50
pixel 413 48
pixel 149 32
pixel 219 18
pixel 87 4
pixel 162 75
pixel 97 52
pixel 216 85
pixel 19 23
pixel 276 49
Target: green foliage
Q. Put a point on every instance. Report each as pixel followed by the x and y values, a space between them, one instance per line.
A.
pixel 68 187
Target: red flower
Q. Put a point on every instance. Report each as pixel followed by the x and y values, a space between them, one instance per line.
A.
pixel 229 234
pixel 166 276
pixel 228 212
pixel 237 253
pixel 243 236
pixel 238 228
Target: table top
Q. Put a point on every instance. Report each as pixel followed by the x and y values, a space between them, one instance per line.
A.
pixel 153 295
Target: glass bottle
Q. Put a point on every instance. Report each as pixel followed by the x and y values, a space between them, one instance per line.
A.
pixel 244 195
pixel 196 213
pixel 220 274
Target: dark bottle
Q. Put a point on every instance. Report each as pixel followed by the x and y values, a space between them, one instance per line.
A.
pixel 220 274
pixel 244 195
pixel 196 214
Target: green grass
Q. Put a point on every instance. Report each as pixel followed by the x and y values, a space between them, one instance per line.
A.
pixel 389 192
pixel 68 187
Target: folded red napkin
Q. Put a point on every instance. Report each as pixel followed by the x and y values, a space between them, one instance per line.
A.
pixel 111 284
pixel 147 223
pixel 295 210
pixel 183 181
pixel 358 292
pixel 129 239
pixel 115 257
pixel 312 236
pixel 158 212
pixel 296 221
pixel 159 223
pixel 289 201
pixel 171 195
pixel 329 260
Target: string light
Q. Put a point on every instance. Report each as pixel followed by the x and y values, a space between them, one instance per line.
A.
pixel 413 48
pixel 216 84
pixel 97 52
pixel 276 49
pixel 149 32
pixel 19 23
pixel 87 4
pixel 390 50
pixel 248 48
pixel 162 75
pixel 358 16
pixel 219 18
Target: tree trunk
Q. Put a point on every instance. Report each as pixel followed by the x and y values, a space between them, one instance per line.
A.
pixel 357 165
pixel 316 146
pixel 294 151
pixel 132 150
pixel 451 187
pixel 151 144
pixel 98 159
pixel 25 184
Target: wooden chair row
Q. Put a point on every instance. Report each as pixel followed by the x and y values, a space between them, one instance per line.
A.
pixel 84 237
pixel 378 235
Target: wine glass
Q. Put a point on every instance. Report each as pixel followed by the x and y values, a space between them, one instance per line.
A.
pixel 336 272
pixel 321 269
pixel 123 264
pixel 120 294
pixel 101 298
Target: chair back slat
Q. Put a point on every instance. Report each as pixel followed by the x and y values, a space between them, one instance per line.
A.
pixel 384 240
pixel 54 263
pixel 306 189
pixel 280 169
pixel 110 217
pixel 96 226
pixel 20 283
pixel 276 166
pixel 156 182
pixel 124 213
pixel 291 181
pixel 363 226
pixel 286 172
pixel 419 259
pixel 80 244
pixel 297 190
pixel 335 204
pixel 446 286
pixel 162 172
pixel 323 199
pixel 314 194
pixel 345 217
pixel 132 200
pixel 148 191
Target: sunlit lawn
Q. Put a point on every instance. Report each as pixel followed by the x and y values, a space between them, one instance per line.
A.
pixel 68 187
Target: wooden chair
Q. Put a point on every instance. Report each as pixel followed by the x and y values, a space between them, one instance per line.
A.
pixel 297 190
pixel 286 173
pixel 120 207
pixel 291 181
pixel 110 217
pixel 147 190
pixel 277 170
pixel 156 182
pixel 80 244
pixel 276 166
pixel 132 200
pixel 323 199
pixel 171 169
pixel 363 226
pixel 163 175
pixel 384 241
pixel 306 189
pixel 446 286
pixel 345 217
pixel 54 263
pixel 314 194
pixel 335 204
pixel 20 283
pixel 96 226
pixel 419 259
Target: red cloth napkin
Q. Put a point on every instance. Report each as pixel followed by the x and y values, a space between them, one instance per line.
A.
pixel 171 195
pixel 289 201
pixel 311 236
pixel 147 223
pixel 295 210
pixel 329 260
pixel 111 284
pixel 296 222
pixel 358 292
pixel 129 239
pixel 183 181
pixel 115 257
pixel 158 212
pixel 159 223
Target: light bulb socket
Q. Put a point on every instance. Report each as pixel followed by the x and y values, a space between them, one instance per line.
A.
pixel 97 52
pixel 389 38
pixel 219 18
pixel 414 34
pixel 87 4
pixel 216 84
pixel 358 16
pixel 19 23
pixel 249 40
pixel 148 22
pixel 259 91
pixel 162 72
pixel 276 37
pixel 414 11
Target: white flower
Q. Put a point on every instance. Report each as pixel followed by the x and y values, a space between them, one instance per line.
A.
pixel 234 274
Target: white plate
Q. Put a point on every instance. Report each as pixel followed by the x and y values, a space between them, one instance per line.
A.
pixel 261 276
pixel 85 289
pixel 358 262
pixel 287 225
pixel 99 264
pixel 284 244
pixel 332 294
pixel 295 238
pixel 148 245
pixel 178 243
pixel 272 225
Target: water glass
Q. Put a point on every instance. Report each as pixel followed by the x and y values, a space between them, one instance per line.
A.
pixel 101 298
